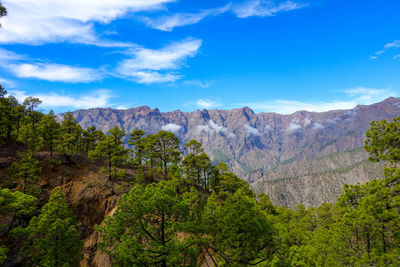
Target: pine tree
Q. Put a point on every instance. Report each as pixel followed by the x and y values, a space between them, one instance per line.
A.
pixel 49 130
pixel 17 203
pixel 26 170
pixel 90 138
pixel 52 238
pixel 383 141
pixel 166 149
pixel 8 112
pixel 137 140
pixel 111 151
pixel 240 233
pixel 31 103
pixel 70 135
pixel 194 147
pixel 144 229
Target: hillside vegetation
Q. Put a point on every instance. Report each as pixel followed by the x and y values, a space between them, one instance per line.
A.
pixel 71 197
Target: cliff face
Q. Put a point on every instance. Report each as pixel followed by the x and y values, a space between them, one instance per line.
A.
pixel 90 195
pixel 256 144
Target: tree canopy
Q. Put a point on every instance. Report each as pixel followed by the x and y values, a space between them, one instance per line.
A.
pixel 52 238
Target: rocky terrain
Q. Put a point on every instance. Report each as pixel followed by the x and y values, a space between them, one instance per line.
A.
pixel 304 157
pixel 90 195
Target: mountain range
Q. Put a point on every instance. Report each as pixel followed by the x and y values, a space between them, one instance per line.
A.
pixel 301 158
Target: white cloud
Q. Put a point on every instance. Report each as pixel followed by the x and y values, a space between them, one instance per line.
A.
pixel 332 121
pixel 364 95
pixel 168 23
pixel 99 98
pixel 171 127
pixel 121 107
pixel 217 128
pixel 55 72
pixel 251 131
pixel 306 121
pixel 212 127
pixel 396 56
pixel 317 126
pixel 7 83
pixel 202 84
pixel 150 66
pixel 388 46
pixel 359 95
pixel 7 56
pixel 395 44
pixel 293 126
pixel 19 65
pixel 208 103
pixel 153 77
pixel 36 22
pixel 263 8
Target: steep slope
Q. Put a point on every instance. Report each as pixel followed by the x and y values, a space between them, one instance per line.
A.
pixel 312 182
pixel 90 195
pixel 254 144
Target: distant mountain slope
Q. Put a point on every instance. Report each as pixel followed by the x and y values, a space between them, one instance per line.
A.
pixel 314 181
pixel 255 144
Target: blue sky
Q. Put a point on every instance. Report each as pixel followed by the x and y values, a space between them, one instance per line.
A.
pixel 273 56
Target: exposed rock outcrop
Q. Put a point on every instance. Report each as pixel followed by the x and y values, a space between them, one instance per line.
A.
pixel 255 144
pixel 89 193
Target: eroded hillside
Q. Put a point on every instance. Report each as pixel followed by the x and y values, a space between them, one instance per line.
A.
pixel 255 145
pixel 89 193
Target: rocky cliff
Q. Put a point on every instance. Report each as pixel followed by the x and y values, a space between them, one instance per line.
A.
pixel 286 156
pixel 90 195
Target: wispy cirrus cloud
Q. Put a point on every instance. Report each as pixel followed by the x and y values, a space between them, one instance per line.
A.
pixel 7 83
pixel 7 56
pixel 395 44
pixel 142 65
pixel 208 103
pixel 168 23
pixel 262 8
pixel 205 103
pixel 55 73
pixel 154 66
pixel 353 97
pixel 98 98
pixel 252 8
pixel 37 22
pixel 198 83
pixel 388 46
pixel 24 67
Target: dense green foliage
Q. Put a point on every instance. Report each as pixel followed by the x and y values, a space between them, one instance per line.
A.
pixel 17 204
pixel 52 239
pixel 155 214
pixel 27 171
pixel 185 211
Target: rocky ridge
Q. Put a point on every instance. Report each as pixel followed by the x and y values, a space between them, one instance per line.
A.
pixel 255 145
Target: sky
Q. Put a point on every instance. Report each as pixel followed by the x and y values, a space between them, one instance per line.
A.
pixel 272 56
